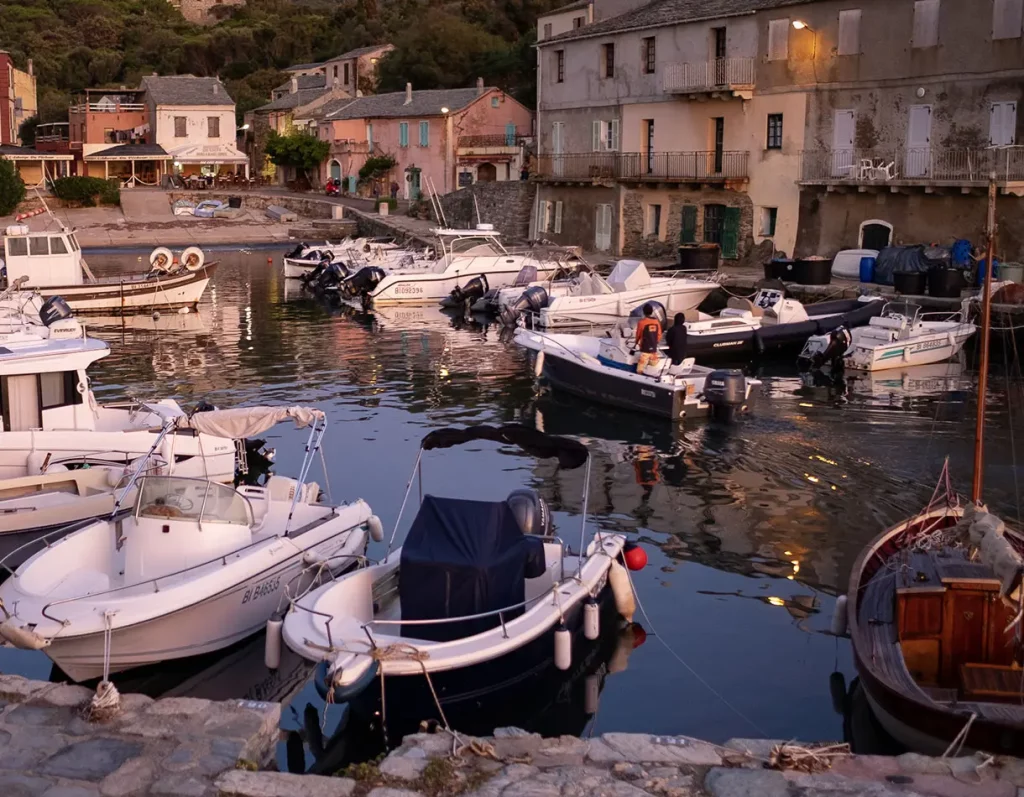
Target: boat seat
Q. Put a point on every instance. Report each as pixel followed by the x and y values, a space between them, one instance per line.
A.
pixel 739 303
pixel 992 682
pixel 81 582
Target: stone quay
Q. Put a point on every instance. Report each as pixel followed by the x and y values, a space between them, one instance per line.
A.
pixel 189 747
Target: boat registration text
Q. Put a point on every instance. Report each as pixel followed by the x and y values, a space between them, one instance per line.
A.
pixel 261 589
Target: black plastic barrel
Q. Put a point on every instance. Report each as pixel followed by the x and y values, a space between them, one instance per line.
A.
pixel 947 282
pixel 909 282
pixel 234 201
pixel 812 272
pixel 778 269
pixel 699 257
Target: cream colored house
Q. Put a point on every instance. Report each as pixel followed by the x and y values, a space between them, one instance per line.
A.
pixel 652 132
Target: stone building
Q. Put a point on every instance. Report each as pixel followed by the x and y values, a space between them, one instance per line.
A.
pixel 205 12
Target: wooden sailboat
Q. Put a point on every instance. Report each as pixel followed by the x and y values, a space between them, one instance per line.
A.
pixel 934 612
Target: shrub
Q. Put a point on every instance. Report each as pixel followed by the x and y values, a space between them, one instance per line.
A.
pixel 376 167
pixel 12 189
pixel 86 190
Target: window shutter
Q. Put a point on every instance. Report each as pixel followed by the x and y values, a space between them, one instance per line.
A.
pixel 1002 124
pixel 540 218
pixel 369 135
pixel 510 135
pixel 1007 17
pixel 926 23
pixel 614 147
pixel 778 39
pixel 596 132
pixel 849 32
pixel 558 217
pixel 688 231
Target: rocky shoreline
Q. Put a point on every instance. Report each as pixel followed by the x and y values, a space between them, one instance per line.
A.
pixel 188 747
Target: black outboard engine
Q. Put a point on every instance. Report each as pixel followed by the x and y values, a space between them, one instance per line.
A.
pixel 363 281
pixel 531 511
pixel 725 390
pixel 204 406
pixel 53 310
pixel 472 291
pixel 532 300
pixel 296 251
pixel 332 275
pixel 838 342
pixel 659 314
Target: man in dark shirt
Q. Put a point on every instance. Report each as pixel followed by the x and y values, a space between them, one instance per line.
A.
pixel 676 339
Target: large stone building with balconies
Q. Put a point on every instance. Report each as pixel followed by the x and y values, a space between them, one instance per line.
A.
pixel 782 123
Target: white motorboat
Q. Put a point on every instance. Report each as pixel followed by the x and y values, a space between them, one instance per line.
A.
pixel 51 419
pixel 304 258
pixel 593 299
pixel 53 264
pixel 464 255
pixel 478 588
pixel 604 369
pixel 195 567
pixel 497 299
pixel 901 336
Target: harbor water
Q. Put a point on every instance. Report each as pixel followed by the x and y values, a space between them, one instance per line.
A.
pixel 750 529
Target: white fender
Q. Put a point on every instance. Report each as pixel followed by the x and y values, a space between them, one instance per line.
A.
pixel 591 620
pixel 193 258
pixel 23 638
pixel 538 365
pixel 840 617
pixel 563 648
pixel 161 259
pixel 376 528
pixel 622 590
pixel 272 649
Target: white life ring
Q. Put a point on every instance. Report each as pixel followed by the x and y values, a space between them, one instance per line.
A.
pixel 193 258
pixel 161 259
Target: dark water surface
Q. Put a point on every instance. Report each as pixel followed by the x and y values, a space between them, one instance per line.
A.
pixel 750 530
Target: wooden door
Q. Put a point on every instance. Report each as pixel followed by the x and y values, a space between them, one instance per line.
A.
pixel 966 620
pixel 731 233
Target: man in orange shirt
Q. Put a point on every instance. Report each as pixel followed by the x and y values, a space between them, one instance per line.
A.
pixel 648 336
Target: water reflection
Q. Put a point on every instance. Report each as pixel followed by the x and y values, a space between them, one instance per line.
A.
pixel 751 528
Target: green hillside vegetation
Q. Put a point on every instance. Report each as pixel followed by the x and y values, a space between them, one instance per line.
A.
pixel 77 44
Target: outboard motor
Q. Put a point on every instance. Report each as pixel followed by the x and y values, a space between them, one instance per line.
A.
pixel 53 310
pixel 204 406
pixel 332 275
pixel 472 291
pixel 363 281
pixel 725 390
pixel 531 511
pixel 659 314
pixel 296 251
pixel 532 300
pixel 838 342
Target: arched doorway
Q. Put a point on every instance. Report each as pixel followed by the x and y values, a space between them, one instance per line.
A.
pixel 335 170
pixel 486 173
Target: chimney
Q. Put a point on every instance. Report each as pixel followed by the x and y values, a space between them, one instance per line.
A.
pixel 408 94
pixel 295 85
pixel 31 69
pixel 479 87
pixel 216 89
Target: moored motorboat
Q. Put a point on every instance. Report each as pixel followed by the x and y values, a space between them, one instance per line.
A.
pixel 53 264
pixel 604 369
pixel 195 567
pixel 589 298
pixel 477 586
pixel 901 336
pixel 304 258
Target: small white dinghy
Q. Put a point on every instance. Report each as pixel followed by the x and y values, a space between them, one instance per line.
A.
pixel 195 567
pixel 477 587
pixel 898 338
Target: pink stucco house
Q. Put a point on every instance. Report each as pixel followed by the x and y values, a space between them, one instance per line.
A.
pixel 444 137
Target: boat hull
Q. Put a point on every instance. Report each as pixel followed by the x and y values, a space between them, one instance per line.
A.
pixel 427 288
pixel 901 354
pixel 182 290
pixel 297 269
pixel 211 624
pixel 612 307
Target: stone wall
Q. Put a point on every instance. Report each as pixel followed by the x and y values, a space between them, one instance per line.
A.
pixel 506 205
pixel 310 208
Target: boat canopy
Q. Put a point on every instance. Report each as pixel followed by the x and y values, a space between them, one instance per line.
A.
pixel 570 453
pixel 242 422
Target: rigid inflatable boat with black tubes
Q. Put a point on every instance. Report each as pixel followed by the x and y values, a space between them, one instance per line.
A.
pixel 771 322
pixel 604 369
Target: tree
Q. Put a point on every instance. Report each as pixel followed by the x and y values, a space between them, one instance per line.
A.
pixel 27 131
pixel 376 168
pixel 299 150
pixel 12 189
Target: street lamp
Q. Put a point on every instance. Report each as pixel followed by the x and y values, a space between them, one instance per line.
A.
pixel 799 24
pixel 244 127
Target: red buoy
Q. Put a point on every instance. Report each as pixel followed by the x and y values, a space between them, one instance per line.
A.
pixel 635 556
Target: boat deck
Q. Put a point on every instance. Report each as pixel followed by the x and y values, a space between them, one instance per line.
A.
pixel 933 624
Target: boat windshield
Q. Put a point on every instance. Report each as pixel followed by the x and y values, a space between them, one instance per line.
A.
pixel 191 499
pixel 907 310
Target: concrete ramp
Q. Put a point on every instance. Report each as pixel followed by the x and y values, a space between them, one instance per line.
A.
pixel 145 205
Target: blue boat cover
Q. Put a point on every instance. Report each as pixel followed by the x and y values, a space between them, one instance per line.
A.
pixel 462 558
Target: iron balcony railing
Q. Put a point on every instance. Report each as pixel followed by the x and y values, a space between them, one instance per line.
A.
pixel 912 165
pixel 718 73
pixel 704 166
pixel 491 140
pixel 107 107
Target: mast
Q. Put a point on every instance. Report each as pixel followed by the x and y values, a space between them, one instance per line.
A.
pixel 986 332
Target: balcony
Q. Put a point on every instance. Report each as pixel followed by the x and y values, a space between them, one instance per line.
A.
pixel 53 137
pixel 644 167
pixel 930 168
pixel 733 76
pixel 107 107
pixel 492 141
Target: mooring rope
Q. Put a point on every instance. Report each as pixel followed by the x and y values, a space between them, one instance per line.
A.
pixel 107 701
